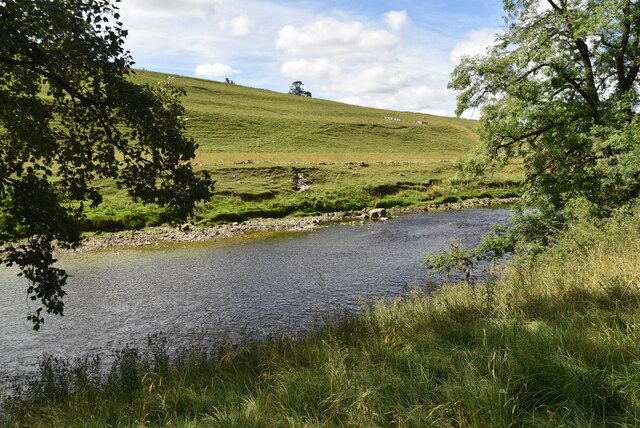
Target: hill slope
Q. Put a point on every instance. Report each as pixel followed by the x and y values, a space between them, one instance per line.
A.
pixel 258 143
pixel 232 122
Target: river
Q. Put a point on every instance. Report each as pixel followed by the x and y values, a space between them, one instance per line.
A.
pixel 231 289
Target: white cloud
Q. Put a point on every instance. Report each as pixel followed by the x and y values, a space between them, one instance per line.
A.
pixel 421 98
pixel 543 6
pixel 374 80
pixel 238 26
pixel 475 42
pixel 396 20
pixel 170 8
pixel 355 63
pixel 310 69
pixel 328 37
pixel 395 64
pixel 216 70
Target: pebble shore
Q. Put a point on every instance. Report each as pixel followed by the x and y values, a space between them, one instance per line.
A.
pixel 188 233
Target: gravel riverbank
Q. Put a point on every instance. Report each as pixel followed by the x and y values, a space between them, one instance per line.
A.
pixel 189 233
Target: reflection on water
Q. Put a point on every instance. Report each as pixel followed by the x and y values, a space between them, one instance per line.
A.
pixel 254 287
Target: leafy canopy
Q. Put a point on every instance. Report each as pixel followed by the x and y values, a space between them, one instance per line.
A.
pixel 559 90
pixel 69 115
pixel 297 88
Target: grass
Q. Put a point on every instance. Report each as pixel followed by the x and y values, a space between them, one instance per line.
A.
pixel 255 141
pixel 552 342
pixel 233 123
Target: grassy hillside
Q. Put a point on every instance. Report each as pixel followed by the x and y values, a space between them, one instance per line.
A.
pixel 555 342
pixel 256 141
pixel 234 123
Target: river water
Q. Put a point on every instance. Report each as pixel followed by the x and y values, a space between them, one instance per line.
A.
pixel 252 287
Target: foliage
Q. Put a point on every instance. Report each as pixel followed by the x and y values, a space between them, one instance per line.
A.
pixel 552 343
pixel 529 233
pixel 452 258
pixel 297 88
pixel 559 90
pixel 69 114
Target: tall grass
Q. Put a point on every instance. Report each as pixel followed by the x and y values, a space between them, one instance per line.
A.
pixel 549 342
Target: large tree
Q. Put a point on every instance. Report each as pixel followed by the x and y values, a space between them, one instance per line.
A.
pixel 69 114
pixel 559 90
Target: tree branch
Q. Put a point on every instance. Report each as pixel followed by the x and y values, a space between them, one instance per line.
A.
pixel 530 72
pixel 554 5
pixel 622 50
pixel 531 134
pixel 583 93
pixel 591 93
pixel 57 79
pixel 102 116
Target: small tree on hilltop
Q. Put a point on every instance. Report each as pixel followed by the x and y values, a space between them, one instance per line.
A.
pixel 297 88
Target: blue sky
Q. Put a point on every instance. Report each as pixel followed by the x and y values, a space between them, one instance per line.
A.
pixel 396 55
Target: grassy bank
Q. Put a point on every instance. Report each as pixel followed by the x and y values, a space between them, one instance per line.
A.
pixel 556 342
pixel 255 142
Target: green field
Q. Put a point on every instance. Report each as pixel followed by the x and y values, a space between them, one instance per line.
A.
pixel 255 142
pixel 234 123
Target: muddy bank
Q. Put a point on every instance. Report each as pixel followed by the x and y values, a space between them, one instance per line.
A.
pixel 188 233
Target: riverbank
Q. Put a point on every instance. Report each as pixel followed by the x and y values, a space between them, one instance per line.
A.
pixel 263 148
pixel 553 342
pixel 156 236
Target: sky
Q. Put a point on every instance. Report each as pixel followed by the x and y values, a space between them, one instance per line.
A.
pixel 393 55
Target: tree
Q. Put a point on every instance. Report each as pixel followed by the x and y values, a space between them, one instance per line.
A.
pixel 297 88
pixel 559 90
pixel 68 115
pixel 229 81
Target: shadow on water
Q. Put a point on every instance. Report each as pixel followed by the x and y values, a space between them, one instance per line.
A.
pixel 226 292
